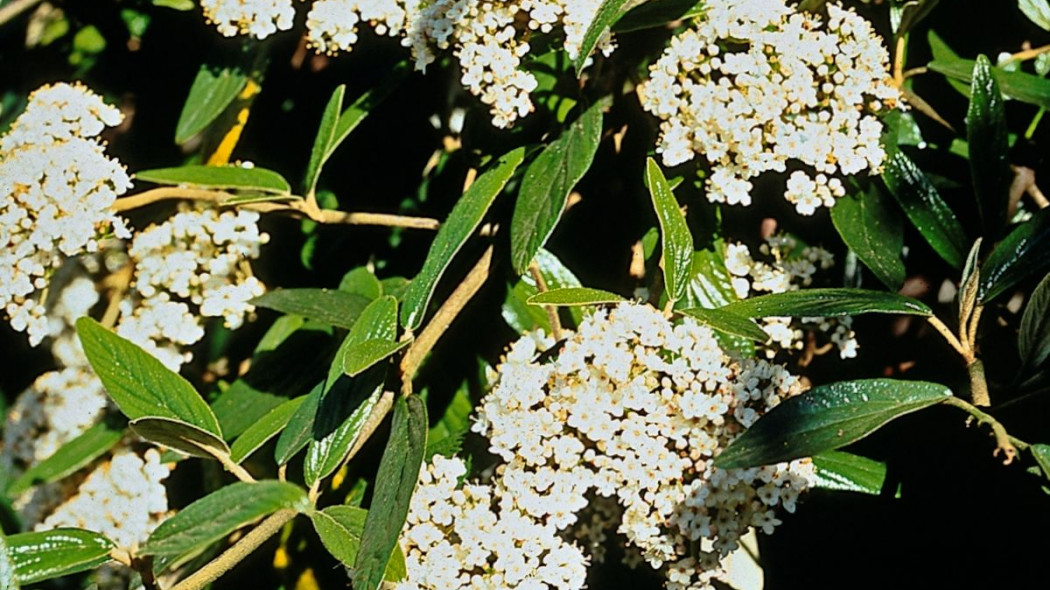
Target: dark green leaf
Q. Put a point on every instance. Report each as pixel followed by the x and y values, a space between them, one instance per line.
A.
pixel 367 354
pixel 1041 454
pixel 340 527
pixel 59 552
pixel 1018 85
pixel 986 134
pixel 942 53
pixel 546 185
pixel 1037 11
pixel 524 317
pixel 1022 252
pixel 836 470
pixel 361 281
pixel 911 13
pixel 872 230
pixel 461 223
pixel 365 104
pixel 180 436
pixel 827 417
pixel 729 323
pixel 395 482
pixel 827 303
pixel 445 436
pixel 264 429
pixel 323 142
pixel 70 457
pixel 676 241
pixel 219 177
pixel 1033 342
pixel 574 296
pixel 711 285
pixel 220 513
pixel 657 13
pixel 299 431
pixel 337 308
pixel 139 384
pixel 213 90
pixel 606 16
pixel 925 208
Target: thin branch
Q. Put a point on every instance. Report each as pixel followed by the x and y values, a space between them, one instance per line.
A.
pixel 1005 444
pixel 443 319
pixel 14 8
pixel 1037 196
pixel 235 554
pixel 552 312
pixel 1029 53
pixel 947 334
pixel 898 62
pixel 229 465
pixel 302 208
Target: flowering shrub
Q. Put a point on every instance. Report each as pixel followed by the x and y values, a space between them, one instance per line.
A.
pixel 503 294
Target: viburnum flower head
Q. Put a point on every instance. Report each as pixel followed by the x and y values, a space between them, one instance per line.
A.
pixel 755 86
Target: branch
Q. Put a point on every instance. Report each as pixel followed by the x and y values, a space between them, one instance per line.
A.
pixel 947 334
pixel 301 208
pixel 241 549
pixel 1005 444
pixel 552 312
pixel 14 8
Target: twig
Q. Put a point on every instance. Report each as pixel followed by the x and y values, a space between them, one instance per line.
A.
pixel 940 327
pixel 443 319
pixel 552 312
pixel 302 208
pixel 1037 196
pixel 232 556
pixel 1005 444
pixel 898 62
pixel 228 464
pixel 15 8
pixel 1029 53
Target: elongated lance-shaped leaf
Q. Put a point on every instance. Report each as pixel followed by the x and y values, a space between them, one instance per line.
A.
pixel 219 177
pixel 212 91
pixel 827 417
pixel 220 513
pixel 336 308
pixel 299 431
pixel 925 208
pixel 986 135
pixel 395 482
pixel 524 317
pixel 546 185
pixel 1021 254
pixel 573 296
pixel 728 323
pixel 606 16
pixel 871 228
pixel 139 384
pixel 461 223
pixel 1033 341
pixel 1037 11
pixel 836 470
pixel 70 457
pixel 267 427
pixel 827 303
pixel 340 527
pixel 323 142
pixel 658 14
pixel 1022 86
pixel 675 239
pixel 43 555
pixel 365 104
pixel 181 436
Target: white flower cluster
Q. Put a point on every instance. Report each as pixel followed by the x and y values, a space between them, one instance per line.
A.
pixel 258 18
pixel 789 268
pixel 56 186
pixel 479 536
pixel 755 86
pixel 633 408
pixel 124 499
pixel 192 265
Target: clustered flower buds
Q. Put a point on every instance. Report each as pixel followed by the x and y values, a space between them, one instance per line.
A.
pixel 633 408
pixel 755 86
pixel 56 187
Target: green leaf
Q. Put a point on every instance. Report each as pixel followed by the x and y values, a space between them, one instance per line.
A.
pixel 1021 253
pixel 574 296
pixel 1033 341
pixel 1041 454
pixel 925 208
pixel 213 90
pixel 827 303
pixel 942 53
pixel 711 285
pixel 546 185
pixel 264 429
pixel 836 470
pixel 361 281
pixel 181 5
pixel 523 317
pixel 299 431
pixel 676 241
pixel 1017 85
pixel 827 417
pixel 255 198
pixel 365 104
pixel 59 552
pixel 340 527
pixel 461 223
pixel 395 482
pixel 219 177
pixel 139 384
pixel 336 308
pixel 658 13
pixel 181 436
pixel 872 230
pixel 323 142
pixel 986 135
pixel 367 354
pixel 70 457
pixel 728 323
pixel 445 436
pixel 220 513
pixel 1037 11
pixel 911 13
pixel 606 16
pixel 8 581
